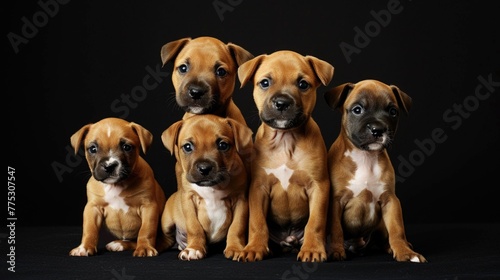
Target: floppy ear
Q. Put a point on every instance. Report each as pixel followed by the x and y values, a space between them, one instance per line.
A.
pixel 145 137
pixel 171 50
pixel 404 100
pixel 247 69
pixel 77 138
pixel 336 96
pixel 323 69
pixel 239 54
pixel 242 137
pixel 169 136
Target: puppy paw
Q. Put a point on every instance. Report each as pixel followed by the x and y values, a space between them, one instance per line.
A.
pixel 253 253
pixel 406 254
pixel 145 251
pixel 233 252
pixel 83 251
pixel 312 255
pixel 120 245
pixel 189 254
pixel 337 253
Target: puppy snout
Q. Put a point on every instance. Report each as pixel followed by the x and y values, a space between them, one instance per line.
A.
pixel 204 167
pixel 109 168
pixel 282 102
pixel 377 130
pixel 197 92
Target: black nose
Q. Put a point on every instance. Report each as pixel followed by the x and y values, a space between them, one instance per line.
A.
pixel 196 92
pixel 110 168
pixel 376 129
pixel 281 103
pixel 204 168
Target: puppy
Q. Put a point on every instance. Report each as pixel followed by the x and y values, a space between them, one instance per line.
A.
pixel 210 204
pixel 122 192
pixel 288 195
pixel 364 202
pixel 204 75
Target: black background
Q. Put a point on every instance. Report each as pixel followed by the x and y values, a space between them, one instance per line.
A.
pixel 89 54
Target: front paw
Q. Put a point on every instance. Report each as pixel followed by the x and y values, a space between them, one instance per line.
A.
pixel 189 254
pixel 83 251
pixel 312 254
pixel 233 252
pixel 145 251
pixel 404 253
pixel 253 253
pixel 337 253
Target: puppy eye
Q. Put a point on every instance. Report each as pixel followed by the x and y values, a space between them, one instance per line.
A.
pixel 303 85
pixel 393 111
pixel 222 146
pixel 187 148
pixel 126 147
pixel 220 72
pixel 357 110
pixel 92 149
pixel 183 68
pixel 265 83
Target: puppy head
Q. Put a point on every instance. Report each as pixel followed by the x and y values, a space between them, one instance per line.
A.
pixel 208 148
pixel 204 73
pixel 112 147
pixel 370 112
pixel 285 85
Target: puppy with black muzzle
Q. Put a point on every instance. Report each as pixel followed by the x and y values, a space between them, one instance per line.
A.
pixel 210 204
pixel 288 195
pixel 204 75
pixel 122 193
pixel 364 205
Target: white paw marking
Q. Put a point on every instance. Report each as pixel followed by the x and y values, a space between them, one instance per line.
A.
pixel 114 246
pixel 79 251
pixel 190 254
pixel 415 259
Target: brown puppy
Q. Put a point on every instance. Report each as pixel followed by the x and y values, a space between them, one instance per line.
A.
pixel 204 75
pixel 288 196
pixel 210 204
pixel 122 191
pixel 364 199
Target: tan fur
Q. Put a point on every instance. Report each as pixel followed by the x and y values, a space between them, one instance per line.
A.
pixel 186 210
pixel 136 229
pixel 298 145
pixel 352 218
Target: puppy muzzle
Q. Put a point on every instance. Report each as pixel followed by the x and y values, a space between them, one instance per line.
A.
pixel 206 173
pixel 110 171
pixel 198 97
pixel 374 136
pixel 282 112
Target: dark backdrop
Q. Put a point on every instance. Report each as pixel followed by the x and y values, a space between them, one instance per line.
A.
pixel 70 63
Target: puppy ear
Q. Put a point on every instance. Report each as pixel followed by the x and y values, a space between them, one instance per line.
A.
pixel 247 70
pixel 77 138
pixel 336 96
pixel 169 136
pixel 172 49
pixel 145 137
pixel 404 100
pixel 324 70
pixel 239 54
pixel 242 137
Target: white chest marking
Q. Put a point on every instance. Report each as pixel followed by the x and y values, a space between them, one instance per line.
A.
pixel 367 176
pixel 283 174
pixel 113 198
pixel 215 206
